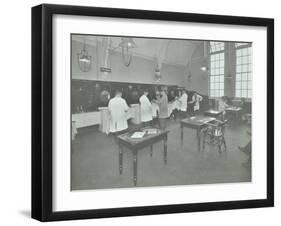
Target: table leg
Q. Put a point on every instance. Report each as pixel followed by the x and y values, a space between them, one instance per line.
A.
pixel 199 138
pixel 151 150
pixel 204 140
pixel 165 150
pixel 181 135
pixel 135 153
pixel 120 158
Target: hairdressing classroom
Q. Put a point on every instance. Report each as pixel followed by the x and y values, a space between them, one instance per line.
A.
pixel 159 112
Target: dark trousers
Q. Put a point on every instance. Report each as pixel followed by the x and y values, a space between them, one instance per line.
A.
pixel 163 123
pixel 183 114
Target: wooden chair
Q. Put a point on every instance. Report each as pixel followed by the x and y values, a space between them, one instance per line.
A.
pixel 213 134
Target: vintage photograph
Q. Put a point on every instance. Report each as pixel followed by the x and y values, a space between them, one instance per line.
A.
pixel 159 112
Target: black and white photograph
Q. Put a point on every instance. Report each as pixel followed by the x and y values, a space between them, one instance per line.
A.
pixel 143 112
pixel 149 111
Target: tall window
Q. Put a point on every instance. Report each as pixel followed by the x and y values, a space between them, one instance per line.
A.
pixel 216 80
pixel 243 81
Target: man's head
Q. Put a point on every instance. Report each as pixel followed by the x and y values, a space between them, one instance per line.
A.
pixel 145 92
pixel 118 93
pixel 164 89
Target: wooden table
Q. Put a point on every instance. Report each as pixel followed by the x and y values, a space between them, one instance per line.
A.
pixel 214 113
pixel 136 144
pixel 197 123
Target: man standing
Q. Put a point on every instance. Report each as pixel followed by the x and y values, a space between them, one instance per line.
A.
pixel 196 99
pixel 145 109
pixel 183 103
pixel 222 106
pixel 118 108
pixel 162 101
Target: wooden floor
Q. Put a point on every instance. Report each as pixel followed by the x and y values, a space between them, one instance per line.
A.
pixel 94 161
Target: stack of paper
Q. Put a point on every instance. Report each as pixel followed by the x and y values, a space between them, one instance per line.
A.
pixel 137 135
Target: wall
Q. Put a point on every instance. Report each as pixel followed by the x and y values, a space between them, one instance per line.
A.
pixel 199 79
pixel 140 70
pixel 230 70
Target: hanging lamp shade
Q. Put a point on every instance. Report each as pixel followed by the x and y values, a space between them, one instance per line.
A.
pixel 84 59
pixel 204 64
pixel 126 44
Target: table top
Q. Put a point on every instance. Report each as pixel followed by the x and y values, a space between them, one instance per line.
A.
pixel 126 137
pixel 213 112
pixel 233 108
pixel 197 121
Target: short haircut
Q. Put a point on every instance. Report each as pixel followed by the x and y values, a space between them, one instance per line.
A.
pixel 118 91
pixel 145 90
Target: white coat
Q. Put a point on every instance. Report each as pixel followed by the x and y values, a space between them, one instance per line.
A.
pixel 183 102
pixel 145 109
pixel 117 107
pixel 196 99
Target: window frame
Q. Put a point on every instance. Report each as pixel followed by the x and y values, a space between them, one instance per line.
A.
pixel 216 75
pixel 249 70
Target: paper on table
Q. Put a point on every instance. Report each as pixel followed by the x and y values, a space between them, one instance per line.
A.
pixel 138 135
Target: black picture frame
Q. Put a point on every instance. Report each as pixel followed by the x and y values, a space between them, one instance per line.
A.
pixel 42 107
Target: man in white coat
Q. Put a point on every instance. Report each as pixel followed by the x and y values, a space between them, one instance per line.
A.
pixel 145 109
pixel 183 103
pixel 196 99
pixel 118 108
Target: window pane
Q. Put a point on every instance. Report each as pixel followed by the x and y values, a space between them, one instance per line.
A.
pixel 239 68
pixel 217 85
pixel 243 70
pixel 238 85
pixel 216 71
pixel 217 93
pixel 238 93
pixel 238 77
pixel 244 93
pixel 243 76
pixel 238 53
pixel 239 60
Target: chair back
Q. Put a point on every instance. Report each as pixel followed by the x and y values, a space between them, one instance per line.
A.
pixel 216 128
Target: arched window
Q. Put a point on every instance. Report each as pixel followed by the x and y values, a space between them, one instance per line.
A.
pixel 216 72
pixel 243 80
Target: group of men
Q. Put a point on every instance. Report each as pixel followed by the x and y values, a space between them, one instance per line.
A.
pixel 118 108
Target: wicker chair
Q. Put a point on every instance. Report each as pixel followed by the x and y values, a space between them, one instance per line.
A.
pixel 213 134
